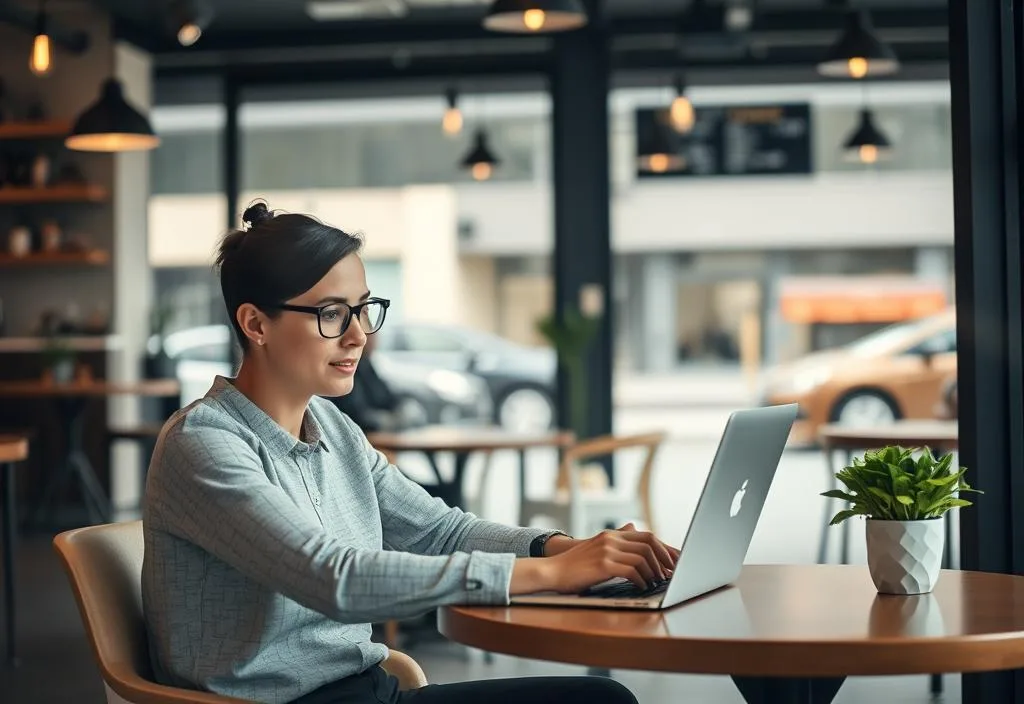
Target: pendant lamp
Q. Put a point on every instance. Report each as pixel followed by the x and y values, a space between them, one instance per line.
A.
pixel 658 154
pixel 111 124
pixel 480 160
pixel 858 52
pixel 535 16
pixel 867 144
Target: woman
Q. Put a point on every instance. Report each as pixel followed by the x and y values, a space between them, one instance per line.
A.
pixel 275 534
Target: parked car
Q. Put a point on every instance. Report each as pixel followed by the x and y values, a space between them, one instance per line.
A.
pixel 897 372
pixel 948 405
pixel 426 395
pixel 521 379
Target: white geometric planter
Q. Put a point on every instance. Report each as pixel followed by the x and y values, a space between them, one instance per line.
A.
pixel 904 557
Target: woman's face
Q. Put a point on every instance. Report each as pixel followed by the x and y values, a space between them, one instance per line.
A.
pixel 294 347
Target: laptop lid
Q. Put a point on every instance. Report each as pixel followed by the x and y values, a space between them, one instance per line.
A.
pixel 730 504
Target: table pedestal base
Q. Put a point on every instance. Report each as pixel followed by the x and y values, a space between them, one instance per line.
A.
pixel 784 690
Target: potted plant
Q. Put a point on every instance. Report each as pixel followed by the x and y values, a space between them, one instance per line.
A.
pixel 59 359
pixel 571 338
pixel 903 499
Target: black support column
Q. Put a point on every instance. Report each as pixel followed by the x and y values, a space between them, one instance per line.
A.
pixel 582 254
pixel 232 152
pixel 986 67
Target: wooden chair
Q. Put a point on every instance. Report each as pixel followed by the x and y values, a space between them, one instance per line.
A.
pixel 104 565
pixel 583 511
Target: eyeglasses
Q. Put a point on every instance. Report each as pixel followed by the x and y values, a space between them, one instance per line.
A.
pixel 333 319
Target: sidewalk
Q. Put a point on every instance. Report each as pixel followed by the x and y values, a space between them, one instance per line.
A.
pixel 685 389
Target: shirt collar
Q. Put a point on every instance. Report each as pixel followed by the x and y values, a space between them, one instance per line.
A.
pixel 270 431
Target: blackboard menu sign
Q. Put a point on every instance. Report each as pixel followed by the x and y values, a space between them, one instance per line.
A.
pixel 731 140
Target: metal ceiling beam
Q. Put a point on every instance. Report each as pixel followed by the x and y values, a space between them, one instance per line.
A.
pixel 219 48
pixel 536 63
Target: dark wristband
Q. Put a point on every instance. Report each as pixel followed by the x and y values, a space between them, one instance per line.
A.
pixel 538 543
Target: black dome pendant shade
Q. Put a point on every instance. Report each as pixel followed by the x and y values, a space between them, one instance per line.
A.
pixel 867 144
pixel 659 152
pixel 480 160
pixel 111 124
pixel 858 52
pixel 535 16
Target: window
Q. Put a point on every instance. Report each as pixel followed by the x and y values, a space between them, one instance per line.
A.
pixel 942 343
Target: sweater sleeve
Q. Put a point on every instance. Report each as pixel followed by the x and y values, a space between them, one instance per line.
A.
pixel 214 493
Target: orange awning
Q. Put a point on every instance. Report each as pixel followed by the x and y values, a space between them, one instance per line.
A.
pixel 859 299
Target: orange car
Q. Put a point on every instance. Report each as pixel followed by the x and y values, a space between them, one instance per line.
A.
pixel 897 372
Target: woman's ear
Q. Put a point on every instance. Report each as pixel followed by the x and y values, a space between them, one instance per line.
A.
pixel 252 321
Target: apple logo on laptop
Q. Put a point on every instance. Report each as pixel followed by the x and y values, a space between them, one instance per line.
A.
pixel 737 500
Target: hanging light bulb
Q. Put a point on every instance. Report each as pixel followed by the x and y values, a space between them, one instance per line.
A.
pixel 858 53
pixel 529 16
pixel 188 19
pixel 451 123
pixel 480 160
pixel 867 144
pixel 681 113
pixel 534 19
pixel 40 60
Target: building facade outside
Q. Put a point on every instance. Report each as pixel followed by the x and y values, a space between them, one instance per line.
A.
pixel 708 270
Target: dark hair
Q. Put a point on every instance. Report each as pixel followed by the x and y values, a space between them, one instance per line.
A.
pixel 275 257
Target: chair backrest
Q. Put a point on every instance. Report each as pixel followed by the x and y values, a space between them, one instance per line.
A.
pixel 606 446
pixel 104 565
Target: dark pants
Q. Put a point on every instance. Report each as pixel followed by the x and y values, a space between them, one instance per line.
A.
pixel 377 687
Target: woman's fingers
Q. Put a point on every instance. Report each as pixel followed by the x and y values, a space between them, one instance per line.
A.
pixel 664 553
pixel 647 552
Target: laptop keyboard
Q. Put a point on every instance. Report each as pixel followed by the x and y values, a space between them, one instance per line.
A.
pixel 625 590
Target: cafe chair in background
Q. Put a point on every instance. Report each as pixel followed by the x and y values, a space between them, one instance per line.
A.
pixel 104 566
pixel 582 503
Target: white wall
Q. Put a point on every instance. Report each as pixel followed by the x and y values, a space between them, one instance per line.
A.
pixel 821 211
pixel 132 278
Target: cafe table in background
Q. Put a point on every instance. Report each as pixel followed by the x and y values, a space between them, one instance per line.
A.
pixel 71 399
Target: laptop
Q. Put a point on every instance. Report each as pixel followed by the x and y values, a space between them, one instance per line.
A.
pixel 723 524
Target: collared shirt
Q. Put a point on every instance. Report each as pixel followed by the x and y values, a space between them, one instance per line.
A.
pixel 267 556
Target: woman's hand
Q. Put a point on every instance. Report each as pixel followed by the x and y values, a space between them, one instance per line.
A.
pixel 628 553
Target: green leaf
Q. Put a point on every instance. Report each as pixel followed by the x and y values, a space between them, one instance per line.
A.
pixel 839 494
pixel 842 516
pixel 881 494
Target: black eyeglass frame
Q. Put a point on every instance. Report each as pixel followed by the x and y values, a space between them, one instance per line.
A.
pixel 353 311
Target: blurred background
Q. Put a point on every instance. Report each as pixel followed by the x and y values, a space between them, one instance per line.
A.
pixel 763 214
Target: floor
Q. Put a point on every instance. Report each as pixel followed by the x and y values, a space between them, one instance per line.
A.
pixel 57 666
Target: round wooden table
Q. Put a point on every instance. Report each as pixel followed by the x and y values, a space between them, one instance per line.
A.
pixel 463 442
pixel 784 633
pixel 13 449
pixel 937 434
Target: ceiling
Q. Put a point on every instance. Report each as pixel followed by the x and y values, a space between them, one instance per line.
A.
pixel 274 41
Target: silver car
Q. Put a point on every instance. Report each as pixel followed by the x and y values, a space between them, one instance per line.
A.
pixel 427 395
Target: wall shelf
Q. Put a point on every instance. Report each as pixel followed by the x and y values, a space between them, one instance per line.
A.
pixel 79 343
pixel 42 129
pixel 93 257
pixel 70 193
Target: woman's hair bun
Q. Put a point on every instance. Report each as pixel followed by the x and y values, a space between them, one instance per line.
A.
pixel 255 214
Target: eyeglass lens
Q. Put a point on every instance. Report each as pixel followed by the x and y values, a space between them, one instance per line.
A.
pixel 333 319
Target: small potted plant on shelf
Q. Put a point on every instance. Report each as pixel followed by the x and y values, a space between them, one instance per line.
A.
pixel 59 359
pixel 903 499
